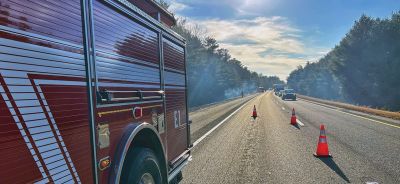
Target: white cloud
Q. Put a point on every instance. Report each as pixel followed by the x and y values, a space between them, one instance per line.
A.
pixel 177 6
pixel 252 7
pixel 268 45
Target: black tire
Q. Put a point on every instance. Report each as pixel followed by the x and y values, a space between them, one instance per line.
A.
pixel 141 164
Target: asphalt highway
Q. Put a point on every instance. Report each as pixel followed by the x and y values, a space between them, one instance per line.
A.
pixel 365 149
pixel 207 117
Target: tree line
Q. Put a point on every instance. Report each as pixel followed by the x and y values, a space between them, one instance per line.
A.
pixel 213 74
pixel 363 69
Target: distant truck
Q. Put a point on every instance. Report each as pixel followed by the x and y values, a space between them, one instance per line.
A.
pixel 92 92
pixel 278 87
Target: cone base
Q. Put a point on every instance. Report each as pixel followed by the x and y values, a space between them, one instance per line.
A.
pixel 315 155
pixel 293 120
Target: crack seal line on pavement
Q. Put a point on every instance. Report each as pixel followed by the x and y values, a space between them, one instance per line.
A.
pixel 332 108
pixel 219 124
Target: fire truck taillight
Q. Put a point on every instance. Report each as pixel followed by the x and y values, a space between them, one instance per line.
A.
pixel 137 112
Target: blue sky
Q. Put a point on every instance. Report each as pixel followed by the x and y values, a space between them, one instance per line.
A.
pixel 272 37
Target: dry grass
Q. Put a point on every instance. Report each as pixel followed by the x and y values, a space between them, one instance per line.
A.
pixel 378 112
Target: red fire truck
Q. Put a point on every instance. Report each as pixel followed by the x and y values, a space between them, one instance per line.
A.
pixel 92 91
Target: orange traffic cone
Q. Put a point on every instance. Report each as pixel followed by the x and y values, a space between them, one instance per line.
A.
pixel 293 119
pixel 254 112
pixel 322 147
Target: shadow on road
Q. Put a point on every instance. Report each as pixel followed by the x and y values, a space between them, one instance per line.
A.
pixel 296 126
pixel 331 164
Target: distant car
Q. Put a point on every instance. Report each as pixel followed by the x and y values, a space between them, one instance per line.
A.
pixel 277 88
pixel 280 93
pixel 288 94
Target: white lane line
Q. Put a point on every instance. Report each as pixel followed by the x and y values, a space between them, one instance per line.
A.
pixel 334 108
pixel 300 123
pixel 219 124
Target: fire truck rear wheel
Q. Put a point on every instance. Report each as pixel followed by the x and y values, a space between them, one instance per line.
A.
pixel 142 166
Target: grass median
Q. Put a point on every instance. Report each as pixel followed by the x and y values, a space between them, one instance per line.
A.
pixel 364 109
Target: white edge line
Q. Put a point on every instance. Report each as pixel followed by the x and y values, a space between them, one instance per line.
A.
pixel 335 109
pixel 219 124
pixel 300 123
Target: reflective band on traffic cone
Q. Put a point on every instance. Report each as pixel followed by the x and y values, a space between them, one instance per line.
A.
pixel 322 147
pixel 293 119
pixel 254 112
